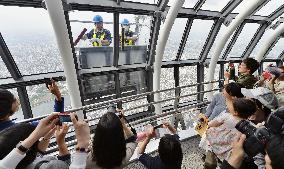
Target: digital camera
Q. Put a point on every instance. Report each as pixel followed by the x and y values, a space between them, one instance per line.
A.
pixel 257 138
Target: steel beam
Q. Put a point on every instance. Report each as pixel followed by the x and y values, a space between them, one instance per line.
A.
pixel 210 39
pixel 277 13
pixel 184 38
pixel 230 7
pixel 271 47
pixel 198 5
pixel 257 36
pixel 233 40
pixel 116 39
pixel 25 103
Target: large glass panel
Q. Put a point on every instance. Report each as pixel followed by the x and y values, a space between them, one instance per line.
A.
pixel 269 7
pixel 188 76
pixel 174 40
pixel 167 81
pixel 187 3
pixel 216 76
pixel 197 37
pixel 243 40
pixel 42 101
pixel 135 49
pixel 30 39
pixel 94 50
pixel 3 69
pixel 217 40
pixel 213 5
pixel 277 49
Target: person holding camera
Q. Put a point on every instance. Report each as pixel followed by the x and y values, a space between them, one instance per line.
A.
pixel 113 143
pixel 9 105
pixel 170 151
pixel 19 145
pixel 267 140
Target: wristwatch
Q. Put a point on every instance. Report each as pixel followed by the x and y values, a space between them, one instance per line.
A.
pixel 82 150
pixel 21 148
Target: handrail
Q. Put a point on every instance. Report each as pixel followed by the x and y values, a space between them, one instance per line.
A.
pixel 90 106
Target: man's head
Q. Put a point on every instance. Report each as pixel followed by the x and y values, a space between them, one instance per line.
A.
pixel 98 21
pixel 248 66
pixel 125 24
pixel 170 151
pixel 8 104
pixel 233 90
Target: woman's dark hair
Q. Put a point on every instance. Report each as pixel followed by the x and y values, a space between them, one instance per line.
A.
pixel 234 89
pixel 244 107
pixel 275 150
pixel 251 64
pixel 11 136
pixel 109 146
pixel 170 151
pixel 265 109
pixel 6 101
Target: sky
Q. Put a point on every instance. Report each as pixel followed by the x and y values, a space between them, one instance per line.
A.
pixel 33 19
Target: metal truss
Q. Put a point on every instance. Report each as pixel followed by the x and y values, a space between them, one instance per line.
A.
pixel 210 39
pixel 271 47
pixel 281 56
pixel 198 5
pixel 257 36
pixel 230 7
pixel 184 38
pixel 233 40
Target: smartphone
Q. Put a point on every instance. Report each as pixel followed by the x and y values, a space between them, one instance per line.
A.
pixel 64 117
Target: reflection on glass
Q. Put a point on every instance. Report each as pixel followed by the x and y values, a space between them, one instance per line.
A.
pixel 197 37
pixel 174 39
pixel 188 76
pixel 32 45
pixel 276 50
pixel 243 39
pixel 132 82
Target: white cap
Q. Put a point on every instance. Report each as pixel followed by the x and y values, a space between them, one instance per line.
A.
pixel 264 95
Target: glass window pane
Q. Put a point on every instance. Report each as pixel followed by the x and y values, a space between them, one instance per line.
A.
pixel 3 69
pixel 93 53
pixel 187 3
pixel 269 7
pixel 213 5
pixel 277 49
pixel 188 75
pixel 135 51
pixel 243 40
pixel 217 40
pixel 174 39
pixel 216 76
pixel 262 41
pixel 167 81
pixel 30 39
pixel 197 37
pixel 42 101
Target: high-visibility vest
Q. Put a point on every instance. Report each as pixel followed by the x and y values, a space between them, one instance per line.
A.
pixel 127 42
pixel 102 37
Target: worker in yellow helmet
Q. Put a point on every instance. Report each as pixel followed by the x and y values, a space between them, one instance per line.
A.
pixel 98 36
pixel 129 36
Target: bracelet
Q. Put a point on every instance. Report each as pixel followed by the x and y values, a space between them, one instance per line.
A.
pixel 44 139
pixel 21 148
